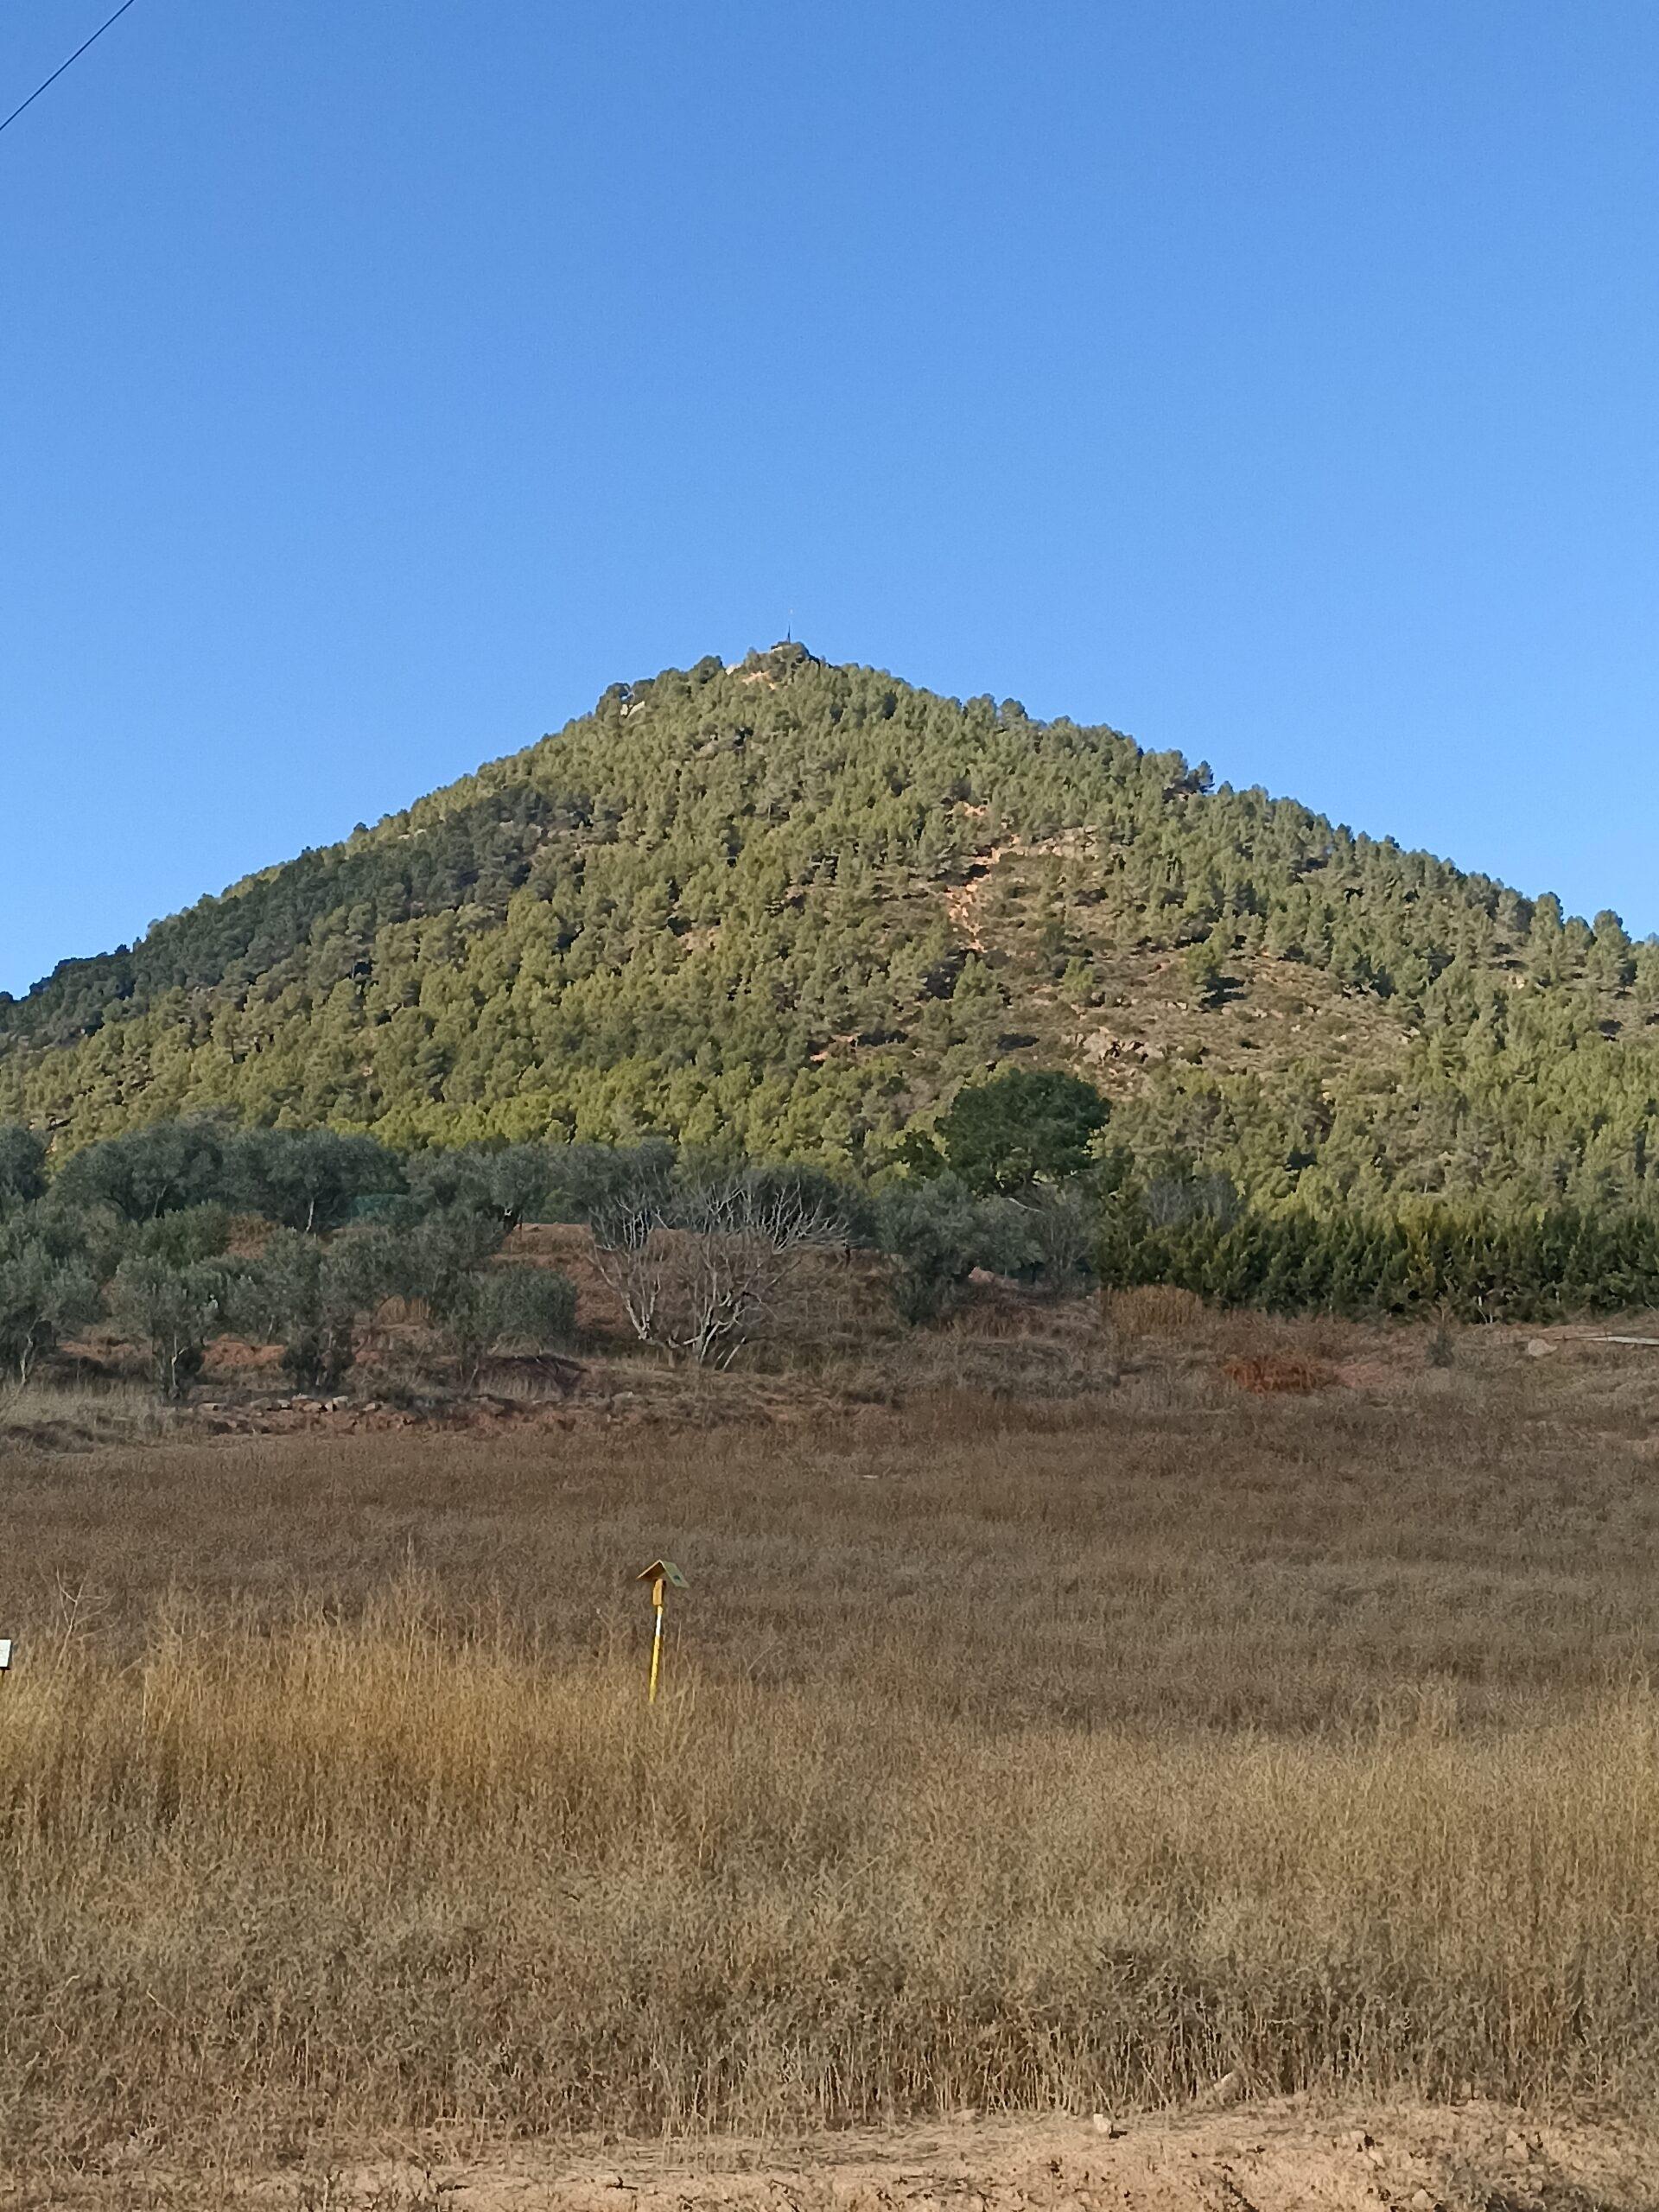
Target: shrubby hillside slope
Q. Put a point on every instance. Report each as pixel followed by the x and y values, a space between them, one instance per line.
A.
pixel 789 908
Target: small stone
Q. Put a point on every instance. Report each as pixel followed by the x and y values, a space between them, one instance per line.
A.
pixel 1539 1348
pixel 1104 2125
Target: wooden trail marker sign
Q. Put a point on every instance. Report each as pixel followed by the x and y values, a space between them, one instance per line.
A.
pixel 660 1573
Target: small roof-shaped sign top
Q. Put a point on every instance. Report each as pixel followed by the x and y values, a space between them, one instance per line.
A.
pixel 662 1570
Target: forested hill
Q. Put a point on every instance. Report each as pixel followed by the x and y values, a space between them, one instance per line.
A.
pixel 789 907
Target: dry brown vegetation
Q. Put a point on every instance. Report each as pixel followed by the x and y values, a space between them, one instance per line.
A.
pixel 1267 1373
pixel 1016 1754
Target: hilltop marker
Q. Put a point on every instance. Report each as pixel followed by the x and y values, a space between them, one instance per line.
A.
pixel 660 1575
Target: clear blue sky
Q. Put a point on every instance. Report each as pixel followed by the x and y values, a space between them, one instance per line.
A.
pixel 377 383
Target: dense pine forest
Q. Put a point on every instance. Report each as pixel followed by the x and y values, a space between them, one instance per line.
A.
pixel 789 910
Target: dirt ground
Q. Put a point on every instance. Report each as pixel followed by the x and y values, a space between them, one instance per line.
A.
pixel 1288 2155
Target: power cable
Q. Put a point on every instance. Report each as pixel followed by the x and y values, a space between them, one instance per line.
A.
pixel 62 66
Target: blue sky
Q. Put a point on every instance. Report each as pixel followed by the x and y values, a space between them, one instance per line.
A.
pixel 1279 381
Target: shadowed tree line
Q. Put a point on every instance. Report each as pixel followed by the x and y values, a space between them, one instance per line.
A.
pixel 187 1230
pixel 138 1230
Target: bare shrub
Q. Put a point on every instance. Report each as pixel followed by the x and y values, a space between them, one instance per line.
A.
pixel 699 1263
pixel 1064 1226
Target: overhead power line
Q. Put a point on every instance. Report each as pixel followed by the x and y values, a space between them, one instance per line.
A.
pixel 62 66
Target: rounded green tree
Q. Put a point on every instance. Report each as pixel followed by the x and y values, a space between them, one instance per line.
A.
pixel 1031 1125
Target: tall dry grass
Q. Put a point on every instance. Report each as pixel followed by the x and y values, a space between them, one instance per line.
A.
pixel 353 1879
pixel 1181 1555
pixel 73 1416
pixel 1014 1754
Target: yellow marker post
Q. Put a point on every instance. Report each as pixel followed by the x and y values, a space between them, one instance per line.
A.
pixel 660 1575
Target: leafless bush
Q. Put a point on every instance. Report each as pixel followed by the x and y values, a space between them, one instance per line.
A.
pixel 699 1265
pixel 1063 1227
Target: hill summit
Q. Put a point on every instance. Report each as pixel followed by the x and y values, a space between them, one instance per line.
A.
pixel 790 908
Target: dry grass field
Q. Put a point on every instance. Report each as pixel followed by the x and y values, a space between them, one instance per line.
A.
pixel 1025 1756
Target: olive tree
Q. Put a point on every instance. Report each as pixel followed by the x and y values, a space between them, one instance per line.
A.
pixel 148 1172
pixel 170 1313
pixel 308 1179
pixel 23 1165
pixel 936 1233
pixel 313 1298
pixel 512 1182
pixel 481 1312
pixel 188 1234
pixel 449 1261
pixel 47 1288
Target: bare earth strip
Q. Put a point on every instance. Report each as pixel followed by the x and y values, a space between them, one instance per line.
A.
pixel 1289 2155
pixel 1274 2158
